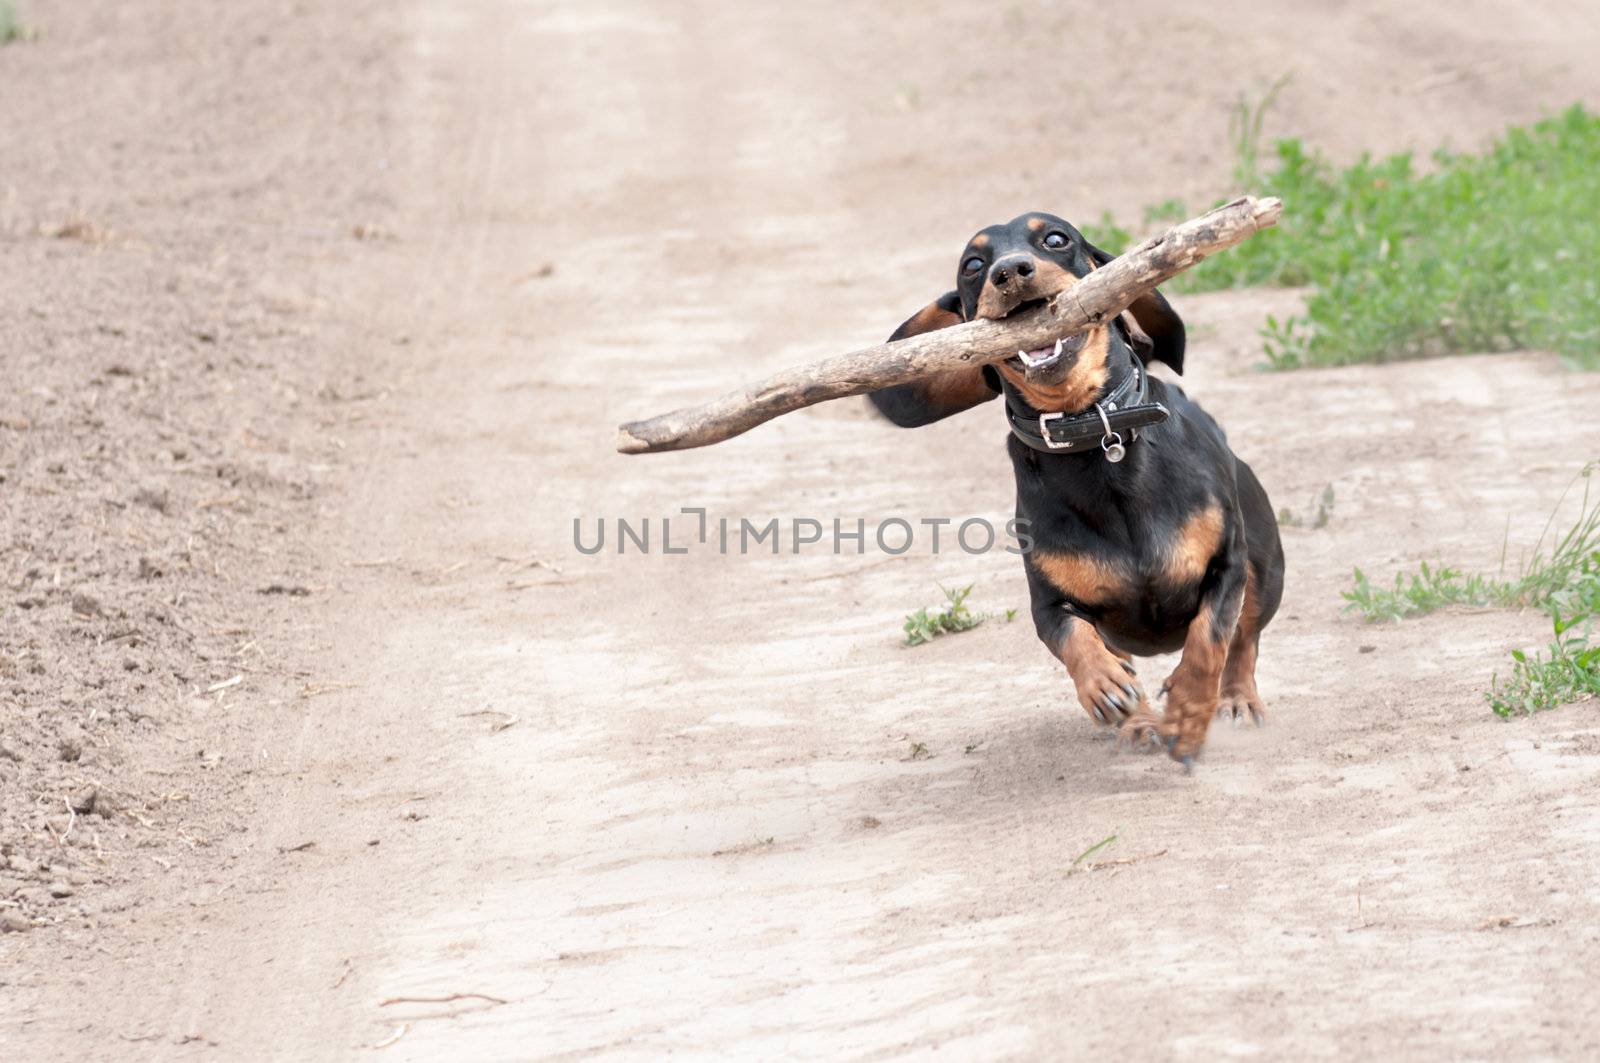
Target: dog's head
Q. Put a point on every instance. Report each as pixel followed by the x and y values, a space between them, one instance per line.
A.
pixel 1027 261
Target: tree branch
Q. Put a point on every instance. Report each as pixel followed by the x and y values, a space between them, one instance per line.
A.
pixel 1093 301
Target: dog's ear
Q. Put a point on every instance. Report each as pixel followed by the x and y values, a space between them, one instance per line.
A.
pixel 1162 328
pixel 941 313
pixel 925 401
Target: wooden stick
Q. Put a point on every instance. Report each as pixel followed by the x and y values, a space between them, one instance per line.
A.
pixel 1096 299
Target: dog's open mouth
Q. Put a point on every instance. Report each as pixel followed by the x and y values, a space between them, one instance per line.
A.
pixel 1044 365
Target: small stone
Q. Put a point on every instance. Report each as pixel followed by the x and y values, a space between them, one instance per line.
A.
pixel 157 498
pixel 60 889
pixel 86 604
pixel 79 878
pixel 9 751
pixel 58 825
pixel 82 799
pixel 14 923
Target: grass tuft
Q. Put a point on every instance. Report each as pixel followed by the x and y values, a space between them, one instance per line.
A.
pixel 1244 132
pixel 953 617
pixel 1538 582
pixel 1569 669
pixel 1565 584
pixel 11 27
pixel 1095 848
pixel 1318 513
pixel 1490 252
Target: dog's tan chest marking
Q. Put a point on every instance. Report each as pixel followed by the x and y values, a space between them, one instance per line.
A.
pixel 1091 580
pixel 1082 578
pixel 1192 549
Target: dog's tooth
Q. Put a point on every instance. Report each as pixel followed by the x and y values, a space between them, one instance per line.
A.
pixel 1058 347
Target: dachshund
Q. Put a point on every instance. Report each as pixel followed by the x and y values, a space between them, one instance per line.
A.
pixel 1148 534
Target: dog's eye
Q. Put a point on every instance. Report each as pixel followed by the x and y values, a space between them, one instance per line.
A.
pixel 972 265
pixel 1056 241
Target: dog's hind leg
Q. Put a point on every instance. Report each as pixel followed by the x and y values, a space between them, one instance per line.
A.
pixel 1240 700
pixel 1263 591
pixel 1194 688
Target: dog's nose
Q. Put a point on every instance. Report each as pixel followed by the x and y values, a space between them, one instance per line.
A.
pixel 1013 269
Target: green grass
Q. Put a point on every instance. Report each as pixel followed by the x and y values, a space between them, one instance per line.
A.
pixel 1317 514
pixel 1244 132
pixel 1110 839
pixel 1565 584
pixel 1538 580
pixel 1569 669
pixel 1473 252
pixel 1416 593
pixel 951 618
pixel 10 28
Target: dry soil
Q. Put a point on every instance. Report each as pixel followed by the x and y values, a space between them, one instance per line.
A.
pixel 319 740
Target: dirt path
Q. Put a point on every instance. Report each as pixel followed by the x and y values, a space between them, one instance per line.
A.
pixel 705 828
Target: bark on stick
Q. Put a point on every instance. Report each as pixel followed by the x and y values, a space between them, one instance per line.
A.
pixel 1093 301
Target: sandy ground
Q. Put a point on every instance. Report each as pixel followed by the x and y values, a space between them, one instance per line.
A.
pixel 644 804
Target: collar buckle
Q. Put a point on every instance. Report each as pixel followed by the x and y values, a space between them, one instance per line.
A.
pixel 1044 431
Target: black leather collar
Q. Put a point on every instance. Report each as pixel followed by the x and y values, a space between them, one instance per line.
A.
pixel 1104 427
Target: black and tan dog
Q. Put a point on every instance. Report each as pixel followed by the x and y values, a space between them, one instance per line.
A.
pixel 1148 534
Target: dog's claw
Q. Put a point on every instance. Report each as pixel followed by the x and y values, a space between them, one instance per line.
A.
pixel 1241 708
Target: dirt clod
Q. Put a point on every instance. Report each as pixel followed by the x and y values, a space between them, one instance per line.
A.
pixel 293 590
pixel 156 498
pixel 14 923
pixel 82 800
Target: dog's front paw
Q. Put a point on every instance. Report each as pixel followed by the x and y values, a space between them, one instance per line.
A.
pixel 1108 689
